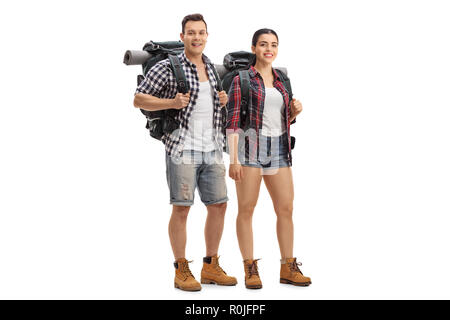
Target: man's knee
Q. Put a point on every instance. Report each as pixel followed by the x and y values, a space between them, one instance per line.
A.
pixel 218 208
pixel 180 212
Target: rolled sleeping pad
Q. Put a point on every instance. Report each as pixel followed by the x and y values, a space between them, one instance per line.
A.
pixel 138 57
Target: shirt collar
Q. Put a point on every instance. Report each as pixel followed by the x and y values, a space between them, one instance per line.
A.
pixel 188 62
pixel 253 72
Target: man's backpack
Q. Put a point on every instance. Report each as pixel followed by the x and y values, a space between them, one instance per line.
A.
pixel 238 63
pixel 164 121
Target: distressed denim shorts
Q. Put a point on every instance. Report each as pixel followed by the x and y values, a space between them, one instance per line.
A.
pixel 272 154
pixel 196 169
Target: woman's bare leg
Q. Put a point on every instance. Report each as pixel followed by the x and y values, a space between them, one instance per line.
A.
pixel 247 190
pixel 281 190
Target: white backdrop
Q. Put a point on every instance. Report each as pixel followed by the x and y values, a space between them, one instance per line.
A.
pixel 83 196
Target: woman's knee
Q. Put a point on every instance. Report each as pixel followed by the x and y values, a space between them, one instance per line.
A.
pixel 284 211
pixel 246 210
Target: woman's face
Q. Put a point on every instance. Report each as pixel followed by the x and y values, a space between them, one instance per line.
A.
pixel 266 48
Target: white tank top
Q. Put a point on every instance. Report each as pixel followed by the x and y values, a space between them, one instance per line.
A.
pixel 273 124
pixel 200 134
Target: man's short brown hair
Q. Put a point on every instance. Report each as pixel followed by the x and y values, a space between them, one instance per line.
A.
pixel 192 17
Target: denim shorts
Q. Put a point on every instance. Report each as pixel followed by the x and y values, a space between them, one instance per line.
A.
pixel 196 169
pixel 272 154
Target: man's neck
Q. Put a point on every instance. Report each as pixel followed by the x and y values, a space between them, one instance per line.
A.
pixel 195 59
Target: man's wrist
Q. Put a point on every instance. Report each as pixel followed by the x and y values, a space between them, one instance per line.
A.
pixel 171 103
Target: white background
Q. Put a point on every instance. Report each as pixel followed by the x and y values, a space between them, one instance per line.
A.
pixel 83 196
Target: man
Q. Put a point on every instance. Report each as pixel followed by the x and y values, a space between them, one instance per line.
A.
pixel 194 151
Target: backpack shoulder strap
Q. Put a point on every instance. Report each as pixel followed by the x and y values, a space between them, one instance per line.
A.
pixel 182 84
pixel 244 77
pixel 216 75
pixel 286 82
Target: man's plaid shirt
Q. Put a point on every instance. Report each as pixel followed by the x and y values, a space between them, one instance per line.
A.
pixel 160 82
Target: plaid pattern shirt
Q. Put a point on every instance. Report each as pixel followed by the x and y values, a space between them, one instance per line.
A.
pixel 160 82
pixel 255 107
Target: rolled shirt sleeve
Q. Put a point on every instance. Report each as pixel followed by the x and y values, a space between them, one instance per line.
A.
pixel 234 105
pixel 155 80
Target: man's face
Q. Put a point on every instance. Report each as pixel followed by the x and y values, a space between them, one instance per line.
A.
pixel 194 37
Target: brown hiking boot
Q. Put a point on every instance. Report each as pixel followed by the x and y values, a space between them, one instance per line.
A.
pixel 291 274
pixel 184 279
pixel 252 280
pixel 212 273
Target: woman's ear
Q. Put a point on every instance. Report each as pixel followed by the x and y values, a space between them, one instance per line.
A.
pixel 253 49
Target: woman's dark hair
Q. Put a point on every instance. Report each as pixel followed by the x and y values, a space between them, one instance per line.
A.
pixel 260 32
pixel 255 40
pixel 192 17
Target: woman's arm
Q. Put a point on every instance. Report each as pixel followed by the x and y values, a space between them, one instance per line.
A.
pixel 235 171
pixel 233 141
pixel 295 109
pixel 232 128
pixel 234 105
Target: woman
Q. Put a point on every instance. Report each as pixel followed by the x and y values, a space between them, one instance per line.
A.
pixel 263 151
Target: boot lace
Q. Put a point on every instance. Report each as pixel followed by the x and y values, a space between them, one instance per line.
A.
pixel 218 267
pixel 294 266
pixel 252 269
pixel 185 271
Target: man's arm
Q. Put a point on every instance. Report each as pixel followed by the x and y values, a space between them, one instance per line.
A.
pixel 150 89
pixel 151 103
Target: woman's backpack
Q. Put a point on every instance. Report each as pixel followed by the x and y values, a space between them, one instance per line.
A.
pixel 238 63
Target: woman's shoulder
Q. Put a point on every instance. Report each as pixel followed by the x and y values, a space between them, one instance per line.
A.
pixel 241 72
pixel 281 73
pixel 239 76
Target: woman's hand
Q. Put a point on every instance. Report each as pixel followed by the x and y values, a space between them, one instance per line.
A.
pixel 223 98
pixel 296 108
pixel 236 172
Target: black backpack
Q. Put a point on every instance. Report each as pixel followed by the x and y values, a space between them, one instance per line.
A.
pixel 164 121
pixel 238 63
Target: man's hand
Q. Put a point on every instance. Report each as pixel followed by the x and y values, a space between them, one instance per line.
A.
pixel 296 108
pixel 181 100
pixel 223 98
pixel 236 172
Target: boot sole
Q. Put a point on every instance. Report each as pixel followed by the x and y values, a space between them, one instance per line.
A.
pixel 254 286
pixel 298 284
pixel 208 281
pixel 187 289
